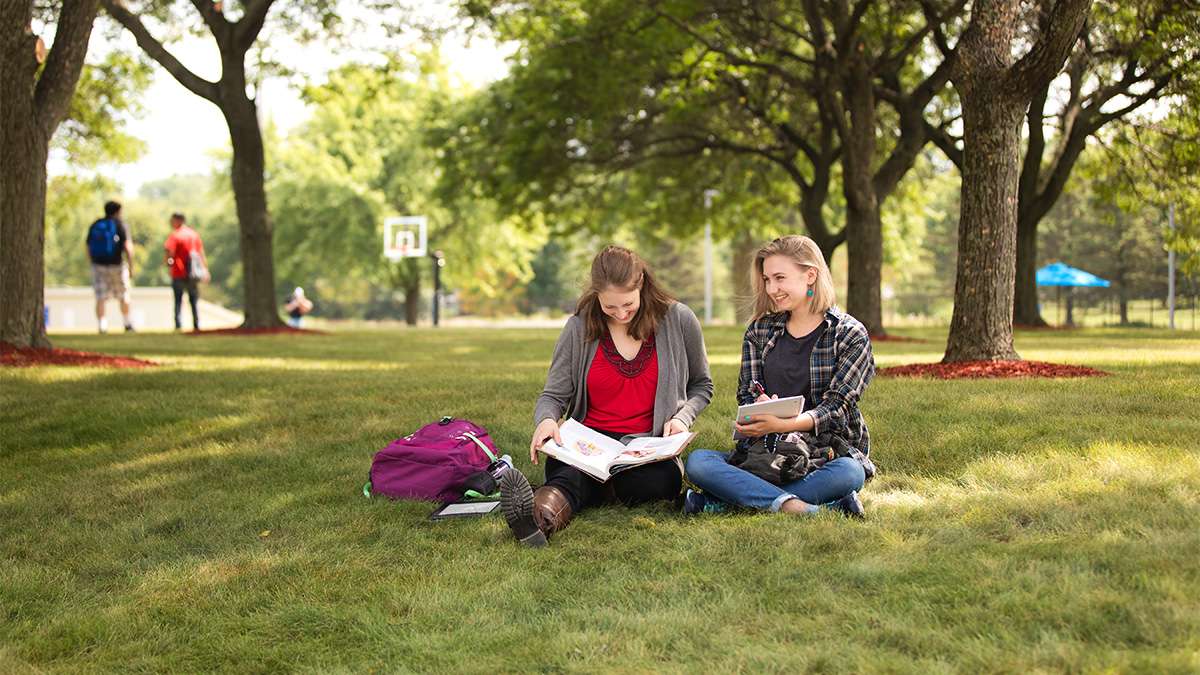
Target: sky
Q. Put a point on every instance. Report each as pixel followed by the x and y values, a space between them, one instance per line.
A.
pixel 182 131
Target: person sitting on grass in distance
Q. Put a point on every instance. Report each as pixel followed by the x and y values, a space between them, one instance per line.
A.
pixel 798 343
pixel 629 362
pixel 297 306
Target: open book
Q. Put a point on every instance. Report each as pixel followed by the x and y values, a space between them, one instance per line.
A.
pixel 599 456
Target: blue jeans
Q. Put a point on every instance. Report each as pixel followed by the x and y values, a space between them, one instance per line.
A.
pixel 709 470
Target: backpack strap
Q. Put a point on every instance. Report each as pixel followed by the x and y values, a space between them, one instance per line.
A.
pixel 483 446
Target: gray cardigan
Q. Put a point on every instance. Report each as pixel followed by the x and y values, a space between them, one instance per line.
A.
pixel 684 385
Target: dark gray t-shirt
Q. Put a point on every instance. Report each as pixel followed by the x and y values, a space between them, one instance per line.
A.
pixel 786 368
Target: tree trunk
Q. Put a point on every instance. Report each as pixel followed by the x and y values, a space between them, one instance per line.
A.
pixel 241 116
pixel 1025 310
pixel 249 192
pixel 412 303
pixel 995 92
pixel 1122 271
pixel 864 226
pixel 31 106
pixel 981 327
pixel 22 228
pixel 864 246
pixel 743 247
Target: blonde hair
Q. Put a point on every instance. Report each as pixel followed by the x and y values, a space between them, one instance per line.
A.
pixel 619 268
pixel 805 253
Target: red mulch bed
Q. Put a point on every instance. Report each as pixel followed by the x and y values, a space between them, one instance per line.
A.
pixel 990 369
pixel 888 337
pixel 21 357
pixel 260 331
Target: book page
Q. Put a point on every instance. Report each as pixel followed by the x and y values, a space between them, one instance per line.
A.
pixel 584 448
pixel 655 447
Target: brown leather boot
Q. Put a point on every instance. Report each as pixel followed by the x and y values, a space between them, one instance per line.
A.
pixel 551 510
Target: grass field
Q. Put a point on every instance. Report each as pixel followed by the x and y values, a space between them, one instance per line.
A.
pixel 207 514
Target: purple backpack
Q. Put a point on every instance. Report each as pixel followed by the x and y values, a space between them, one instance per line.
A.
pixel 434 462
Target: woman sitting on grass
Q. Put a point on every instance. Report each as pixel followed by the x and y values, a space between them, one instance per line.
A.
pixel 798 344
pixel 629 362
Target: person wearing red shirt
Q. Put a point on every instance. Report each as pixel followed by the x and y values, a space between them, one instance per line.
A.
pixel 185 258
pixel 629 362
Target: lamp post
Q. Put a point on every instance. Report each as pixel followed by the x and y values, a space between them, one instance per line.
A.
pixel 439 261
pixel 1171 270
pixel 708 254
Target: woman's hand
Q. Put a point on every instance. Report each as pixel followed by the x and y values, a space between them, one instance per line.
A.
pixel 674 426
pixel 761 425
pixel 546 429
pixel 755 425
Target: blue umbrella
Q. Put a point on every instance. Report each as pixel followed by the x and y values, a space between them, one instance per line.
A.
pixel 1059 274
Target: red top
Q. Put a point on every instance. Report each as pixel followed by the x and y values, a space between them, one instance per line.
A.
pixel 621 392
pixel 180 245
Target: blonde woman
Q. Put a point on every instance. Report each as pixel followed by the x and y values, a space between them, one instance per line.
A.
pixel 630 362
pixel 798 343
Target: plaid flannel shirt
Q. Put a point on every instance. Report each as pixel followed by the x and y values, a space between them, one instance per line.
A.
pixel 841 367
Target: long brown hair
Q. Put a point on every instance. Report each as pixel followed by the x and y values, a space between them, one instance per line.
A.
pixel 621 269
pixel 802 251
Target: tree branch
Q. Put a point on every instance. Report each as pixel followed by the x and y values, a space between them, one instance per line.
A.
pixel 731 56
pixel 936 20
pixel 56 86
pixel 215 20
pixel 1160 84
pixel 155 49
pixel 782 129
pixel 1039 66
pixel 856 16
pixel 1031 167
pixel 946 143
pixel 246 31
pixel 1042 199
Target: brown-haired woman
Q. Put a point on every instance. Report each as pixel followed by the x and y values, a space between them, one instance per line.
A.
pixel 629 362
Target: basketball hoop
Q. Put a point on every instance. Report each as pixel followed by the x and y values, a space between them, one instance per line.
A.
pixel 404 237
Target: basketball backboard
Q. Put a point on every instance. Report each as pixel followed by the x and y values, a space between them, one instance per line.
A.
pixel 404 237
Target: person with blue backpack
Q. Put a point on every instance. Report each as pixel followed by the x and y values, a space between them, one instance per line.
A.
pixel 111 251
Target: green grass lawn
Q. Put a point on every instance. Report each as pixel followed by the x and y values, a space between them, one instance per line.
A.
pixel 207 514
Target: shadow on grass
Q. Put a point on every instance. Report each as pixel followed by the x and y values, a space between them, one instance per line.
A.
pixel 1041 567
pixel 425 347
pixel 198 518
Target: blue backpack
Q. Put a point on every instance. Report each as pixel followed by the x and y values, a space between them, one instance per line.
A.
pixel 103 238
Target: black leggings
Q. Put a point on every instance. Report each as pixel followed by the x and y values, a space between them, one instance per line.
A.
pixel 641 484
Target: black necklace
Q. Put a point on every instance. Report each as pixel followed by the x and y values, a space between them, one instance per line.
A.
pixel 632 367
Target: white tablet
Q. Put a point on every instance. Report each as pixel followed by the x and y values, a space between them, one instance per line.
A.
pixel 463 510
pixel 785 408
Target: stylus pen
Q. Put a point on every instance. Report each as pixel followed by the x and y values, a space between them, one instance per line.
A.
pixel 757 389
